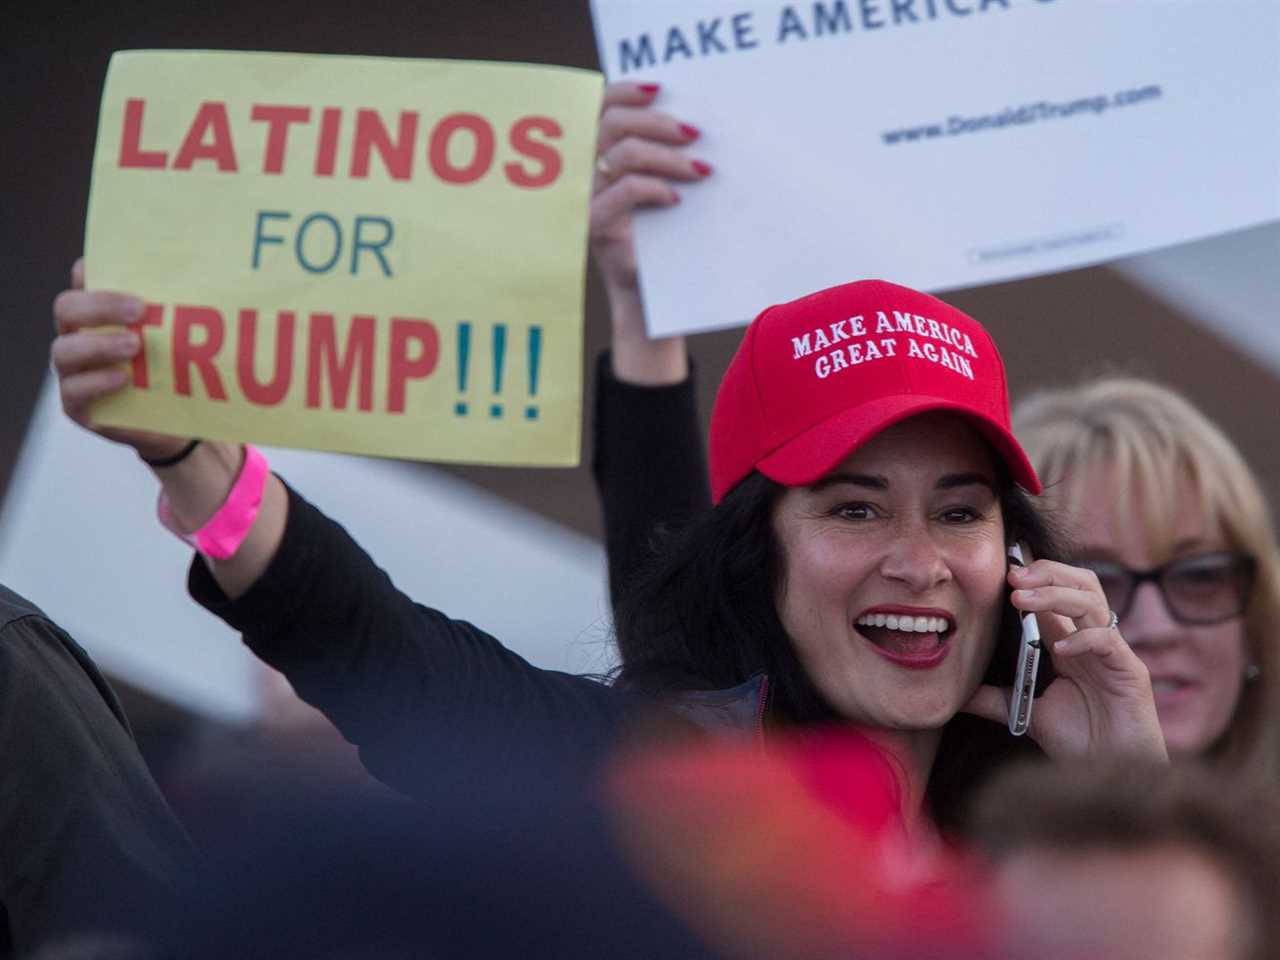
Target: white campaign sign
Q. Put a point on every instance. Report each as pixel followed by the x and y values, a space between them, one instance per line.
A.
pixel 943 143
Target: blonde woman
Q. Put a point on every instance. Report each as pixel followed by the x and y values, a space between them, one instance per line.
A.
pixel 1161 505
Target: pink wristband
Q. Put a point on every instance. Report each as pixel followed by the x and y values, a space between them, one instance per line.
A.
pixel 221 536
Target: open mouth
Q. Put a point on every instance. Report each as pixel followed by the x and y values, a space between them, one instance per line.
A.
pixel 905 635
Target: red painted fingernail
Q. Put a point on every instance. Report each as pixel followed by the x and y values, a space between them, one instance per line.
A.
pixel 675 197
pixel 650 89
pixel 690 131
pixel 701 169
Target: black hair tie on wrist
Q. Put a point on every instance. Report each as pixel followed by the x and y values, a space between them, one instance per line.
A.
pixel 173 460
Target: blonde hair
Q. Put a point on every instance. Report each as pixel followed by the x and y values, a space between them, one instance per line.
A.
pixel 1156 444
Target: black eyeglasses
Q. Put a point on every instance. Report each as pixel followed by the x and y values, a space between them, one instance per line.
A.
pixel 1198 589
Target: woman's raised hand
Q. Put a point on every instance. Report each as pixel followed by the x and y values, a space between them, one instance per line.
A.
pixel 91 363
pixel 640 153
pixel 1101 701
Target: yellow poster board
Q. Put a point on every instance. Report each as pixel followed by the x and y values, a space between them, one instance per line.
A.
pixel 357 254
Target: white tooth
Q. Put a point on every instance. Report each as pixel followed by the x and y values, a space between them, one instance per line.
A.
pixel 891 621
pixel 942 625
pixel 880 619
pixel 933 626
pixel 861 622
pixel 922 624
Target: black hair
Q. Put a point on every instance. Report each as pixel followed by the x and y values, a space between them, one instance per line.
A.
pixel 704 615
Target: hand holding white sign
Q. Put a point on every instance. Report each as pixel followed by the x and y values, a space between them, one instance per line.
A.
pixel 640 152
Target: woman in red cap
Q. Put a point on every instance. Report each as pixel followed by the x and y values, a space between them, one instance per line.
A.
pixel 867 489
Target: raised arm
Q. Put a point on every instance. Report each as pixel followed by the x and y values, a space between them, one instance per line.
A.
pixel 649 464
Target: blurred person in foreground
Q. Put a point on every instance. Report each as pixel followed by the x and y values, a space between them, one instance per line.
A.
pixel 792 853
pixel 1132 862
pixel 89 850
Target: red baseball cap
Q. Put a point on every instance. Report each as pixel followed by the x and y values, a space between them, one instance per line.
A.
pixel 816 378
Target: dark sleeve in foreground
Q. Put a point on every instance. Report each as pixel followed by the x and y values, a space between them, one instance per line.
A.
pixel 87 842
pixel 410 687
pixel 650 467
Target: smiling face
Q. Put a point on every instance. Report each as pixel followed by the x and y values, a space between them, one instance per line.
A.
pixel 893 574
pixel 1197 672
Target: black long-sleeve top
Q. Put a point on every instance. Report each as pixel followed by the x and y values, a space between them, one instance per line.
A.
pixel 649 466
pixel 409 686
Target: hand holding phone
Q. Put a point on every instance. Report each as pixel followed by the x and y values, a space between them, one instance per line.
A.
pixel 1024 680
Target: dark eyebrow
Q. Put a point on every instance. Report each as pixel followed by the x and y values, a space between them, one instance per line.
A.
pixel 853 479
pixel 953 480
pixel 875 482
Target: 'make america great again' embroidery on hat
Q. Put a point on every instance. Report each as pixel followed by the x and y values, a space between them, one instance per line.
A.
pixel 863 346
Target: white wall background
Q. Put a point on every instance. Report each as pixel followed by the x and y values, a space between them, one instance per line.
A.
pixel 1230 284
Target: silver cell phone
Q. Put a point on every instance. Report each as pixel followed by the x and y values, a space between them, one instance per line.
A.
pixel 1024 681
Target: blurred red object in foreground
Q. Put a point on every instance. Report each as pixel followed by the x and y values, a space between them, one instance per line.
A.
pixel 796 850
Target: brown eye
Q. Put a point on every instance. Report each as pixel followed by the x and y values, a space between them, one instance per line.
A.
pixel 854 511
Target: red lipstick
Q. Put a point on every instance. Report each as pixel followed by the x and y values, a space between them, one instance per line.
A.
pixel 910 649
